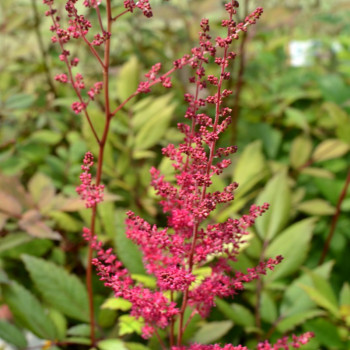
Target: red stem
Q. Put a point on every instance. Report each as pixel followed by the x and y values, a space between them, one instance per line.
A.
pixel 102 144
pixel 120 14
pixel 335 219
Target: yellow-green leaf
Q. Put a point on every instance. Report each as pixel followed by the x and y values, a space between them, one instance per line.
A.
pixel 277 194
pixel 293 244
pixel 116 304
pixel 300 151
pixel 128 79
pixel 42 190
pixel 316 207
pixel 129 324
pixel 318 172
pixel 330 149
pixel 250 168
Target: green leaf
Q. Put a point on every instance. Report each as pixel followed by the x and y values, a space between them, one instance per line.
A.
pixel 295 292
pixel 107 215
pixel 318 172
pixel 28 311
pixel 296 118
pixel 291 322
pixel 78 340
pixel 316 207
pixel 300 151
pixel 325 332
pixel 329 149
pixel 136 346
pixel 128 79
pixel 116 304
pixel 154 128
pixel 12 241
pixel 147 109
pixel 129 324
pixel 60 323
pixel 268 308
pixel 330 189
pixel 32 151
pixel 293 244
pixel 345 295
pixel 66 221
pixel 237 313
pixel 277 194
pixel 79 330
pixel 212 331
pixel 16 244
pixel 334 88
pixel 250 168
pixel 62 290
pixel 322 293
pixel 12 335
pixel 19 101
pixel 112 344
pixel 13 165
pixel 47 137
pixel 147 281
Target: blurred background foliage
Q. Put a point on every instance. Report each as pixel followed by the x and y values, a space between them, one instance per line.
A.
pixel 291 121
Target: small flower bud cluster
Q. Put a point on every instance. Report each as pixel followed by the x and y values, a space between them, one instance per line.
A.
pixel 100 39
pixel 152 77
pixel 143 5
pixel 95 90
pixel 285 344
pixel 92 3
pixel 89 192
pixel 78 27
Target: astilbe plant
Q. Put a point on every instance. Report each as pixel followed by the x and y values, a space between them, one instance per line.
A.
pixel 190 241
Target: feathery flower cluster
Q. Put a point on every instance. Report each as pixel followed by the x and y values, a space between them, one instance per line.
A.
pixel 89 192
pixel 175 254
pixel 153 306
pixel 78 27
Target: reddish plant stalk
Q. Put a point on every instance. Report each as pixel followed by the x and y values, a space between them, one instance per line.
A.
pixel 101 143
pixel 335 219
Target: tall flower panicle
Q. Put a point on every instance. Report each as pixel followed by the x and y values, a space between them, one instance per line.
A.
pixel 174 255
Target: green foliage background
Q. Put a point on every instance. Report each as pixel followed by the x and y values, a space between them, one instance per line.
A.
pixel 293 134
